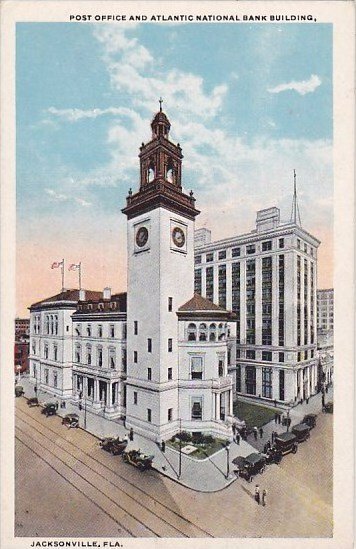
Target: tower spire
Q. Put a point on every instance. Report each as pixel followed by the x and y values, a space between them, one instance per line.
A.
pixel 160 104
pixel 295 214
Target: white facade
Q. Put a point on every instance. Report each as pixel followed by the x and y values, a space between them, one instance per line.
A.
pixel 325 310
pixel 268 278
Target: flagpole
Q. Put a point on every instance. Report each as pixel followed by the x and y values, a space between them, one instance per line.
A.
pixel 80 275
pixel 62 275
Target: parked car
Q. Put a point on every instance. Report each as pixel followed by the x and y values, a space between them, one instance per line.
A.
pixel 248 467
pixel 273 455
pixel 32 402
pixel 71 420
pixel 301 431
pixel 328 408
pixel 138 459
pixel 49 409
pixel 310 420
pixel 19 391
pixel 286 443
pixel 114 445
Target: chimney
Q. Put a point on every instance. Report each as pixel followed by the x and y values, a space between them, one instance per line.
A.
pixel 81 295
pixel 107 293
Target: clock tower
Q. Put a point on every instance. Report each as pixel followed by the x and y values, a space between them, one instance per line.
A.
pixel 160 242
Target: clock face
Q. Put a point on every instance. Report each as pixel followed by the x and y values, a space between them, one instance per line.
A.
pixel 141 237
pixel 178 237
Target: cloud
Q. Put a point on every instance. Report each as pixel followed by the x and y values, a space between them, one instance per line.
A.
pixel 59 197
pixel 72 115
pixel 303 87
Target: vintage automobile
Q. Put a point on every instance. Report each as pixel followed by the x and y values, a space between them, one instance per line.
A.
pixel 33 402
pixel 114 445
pixel 49 409
pixel 19 391
pixel 328 408
pixel 273 455
pixel 71 420
pixel 286 443
pixel 248 467
pixel 301 431
pixel 310 420
pixel 138 459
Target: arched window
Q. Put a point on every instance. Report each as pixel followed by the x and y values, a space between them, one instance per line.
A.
pixel 170 171
pixel 51 325
pixel 78 353
pixel 192 332
pixel 212 332
pixel 47 324
pixel 203 332
pixel 221 331
pixel 89 355
pixel 56 324
pixel 151 172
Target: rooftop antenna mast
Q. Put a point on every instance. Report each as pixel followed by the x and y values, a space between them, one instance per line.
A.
pixel 295 215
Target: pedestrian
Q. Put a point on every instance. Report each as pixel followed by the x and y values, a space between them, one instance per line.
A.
pixel 126 438
pixel 279 419
pixel 261 432
pixel 264 497
pixel 323 400
pixel 268 444
pixel 257 494
pixel 57 405
pixel 255 432
pixel 273 436
pixel 275 403
pixel 276 417
pixel 163 446
pixel 131 433
pixel 307 400
pixel 234 429
pixel 237 438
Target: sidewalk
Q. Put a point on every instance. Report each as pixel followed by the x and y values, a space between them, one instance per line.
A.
pixel 208 475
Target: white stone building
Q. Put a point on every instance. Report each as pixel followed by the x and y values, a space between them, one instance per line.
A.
pixel 268 279
pixel 51 342
pixel 325 310
pixel 99 353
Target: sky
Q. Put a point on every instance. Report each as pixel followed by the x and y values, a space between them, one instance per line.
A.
pixel 247 103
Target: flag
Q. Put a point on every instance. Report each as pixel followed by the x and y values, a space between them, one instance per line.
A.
pixel 56 264
pixel 74 266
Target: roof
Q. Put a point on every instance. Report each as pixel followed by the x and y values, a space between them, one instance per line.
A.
pixel 69 295
pixel 199 303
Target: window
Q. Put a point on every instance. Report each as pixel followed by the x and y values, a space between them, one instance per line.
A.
pixel 170 304
pixel 124 331
pixel 267 382
pixel 267 355
pixel 222 254
pixel 222 286
pixel 197 259
pixel 212 332
pixel 149 415
pixel 135 357
pixel 100 357
pixel 299 357
pixel 149 374
pixel 305 248
pixel 251 249
pixel 192 332
pixel 135 327
pixel 46 376
pixel 203 331
pixel 238 353
pixel 170 345
pixel 112 330
pixel 281 243
pixel 55 352
pixel 77 353
pixel 280 357
pixel 221 367
pixel 135 397
pixel 312 353
pixel 89 354
pixel 112 359
pixel 251 354
pixel 88 330
pixel 209 257
pixel 170 414
pixel 236 252
pixel 67 328
pixel 298 243
pixel 77 330
pixel 281 384
pixel 100 331
pixel 197 408
pixel 56 325
pixel 55 379
pixel 46 351
pixel 170 373
pixel 196 367
pixel 250 380
pixel 238 378
pixel 149 345
pixel 197 281
pixel 267 246
pixel 209 283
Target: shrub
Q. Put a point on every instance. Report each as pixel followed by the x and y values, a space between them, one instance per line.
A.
pixel 184 436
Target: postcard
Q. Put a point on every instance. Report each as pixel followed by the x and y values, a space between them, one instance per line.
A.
pixel 177 272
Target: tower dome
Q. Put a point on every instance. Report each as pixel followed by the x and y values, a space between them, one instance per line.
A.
pixel 160 124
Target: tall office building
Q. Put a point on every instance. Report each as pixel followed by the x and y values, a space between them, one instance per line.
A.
pixel 267 277
pixel 325 309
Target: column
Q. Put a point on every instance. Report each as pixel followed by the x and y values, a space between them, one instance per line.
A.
pixel 218 406
pixel 275 301
pixel 308 383
pixel 231 403
pixel 96 390
pixel 213 414
pixel 259 381
pixel 258 302
pixel 228 286
pixel 109 394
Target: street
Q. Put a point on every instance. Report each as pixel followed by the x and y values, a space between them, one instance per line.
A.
pixel 67 486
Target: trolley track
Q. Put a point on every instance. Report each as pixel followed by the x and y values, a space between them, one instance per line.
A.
pixel 181 525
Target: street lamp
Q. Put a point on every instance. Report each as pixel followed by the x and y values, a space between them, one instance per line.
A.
pixel 227 448
pixel 180 450
pixel 81 395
